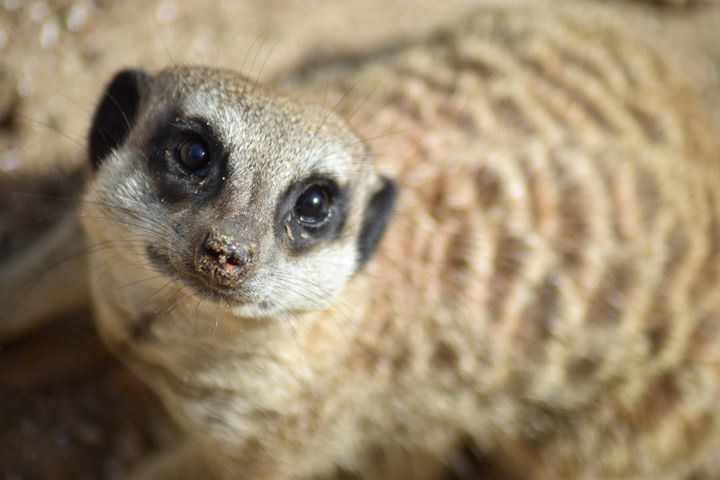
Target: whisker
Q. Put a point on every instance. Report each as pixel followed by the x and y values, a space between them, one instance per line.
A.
pixel 262 67
pixel 55 129
pixel 137 282
pixel 262 38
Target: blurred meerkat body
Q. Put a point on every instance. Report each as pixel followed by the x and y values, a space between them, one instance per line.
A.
pixel 559 219
pixel 546 289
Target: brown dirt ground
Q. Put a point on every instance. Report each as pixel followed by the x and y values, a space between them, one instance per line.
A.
pixel 68 410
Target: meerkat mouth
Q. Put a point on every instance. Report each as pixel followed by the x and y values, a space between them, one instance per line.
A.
pixel 219 293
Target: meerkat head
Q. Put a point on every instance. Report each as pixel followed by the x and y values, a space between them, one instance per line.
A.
pixel 240 196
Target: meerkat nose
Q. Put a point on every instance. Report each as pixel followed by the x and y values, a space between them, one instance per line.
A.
pixel 223 259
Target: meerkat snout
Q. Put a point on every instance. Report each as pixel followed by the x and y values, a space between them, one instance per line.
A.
pixel 223 258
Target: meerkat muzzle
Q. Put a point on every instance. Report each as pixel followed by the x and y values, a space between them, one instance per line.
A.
pixel 223 260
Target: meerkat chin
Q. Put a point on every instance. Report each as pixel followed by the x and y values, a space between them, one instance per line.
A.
pixel 530 265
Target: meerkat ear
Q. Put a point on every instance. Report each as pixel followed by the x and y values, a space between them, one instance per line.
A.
pixel 116 112
pixel 376 218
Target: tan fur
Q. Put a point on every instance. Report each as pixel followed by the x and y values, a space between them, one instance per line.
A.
pixel 548 287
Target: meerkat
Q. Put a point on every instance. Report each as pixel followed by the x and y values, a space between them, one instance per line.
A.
pixel 528 262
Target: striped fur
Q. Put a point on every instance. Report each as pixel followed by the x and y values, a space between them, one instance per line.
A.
pixel 558 239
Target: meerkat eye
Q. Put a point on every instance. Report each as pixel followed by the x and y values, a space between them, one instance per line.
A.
pixel 313 206
pixel 193 153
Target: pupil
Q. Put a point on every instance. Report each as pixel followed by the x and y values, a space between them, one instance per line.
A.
pixel 313 202
pixel 312 206
pixel 197 152
pixel 193 154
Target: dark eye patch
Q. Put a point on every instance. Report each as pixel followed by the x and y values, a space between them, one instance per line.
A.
pixel 310 212
pixel 187 159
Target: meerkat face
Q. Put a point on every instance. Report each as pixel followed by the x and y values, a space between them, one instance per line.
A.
pixel 236 195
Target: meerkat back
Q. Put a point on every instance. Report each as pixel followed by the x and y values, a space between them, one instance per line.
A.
pixel 506 235
pixel 559 221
